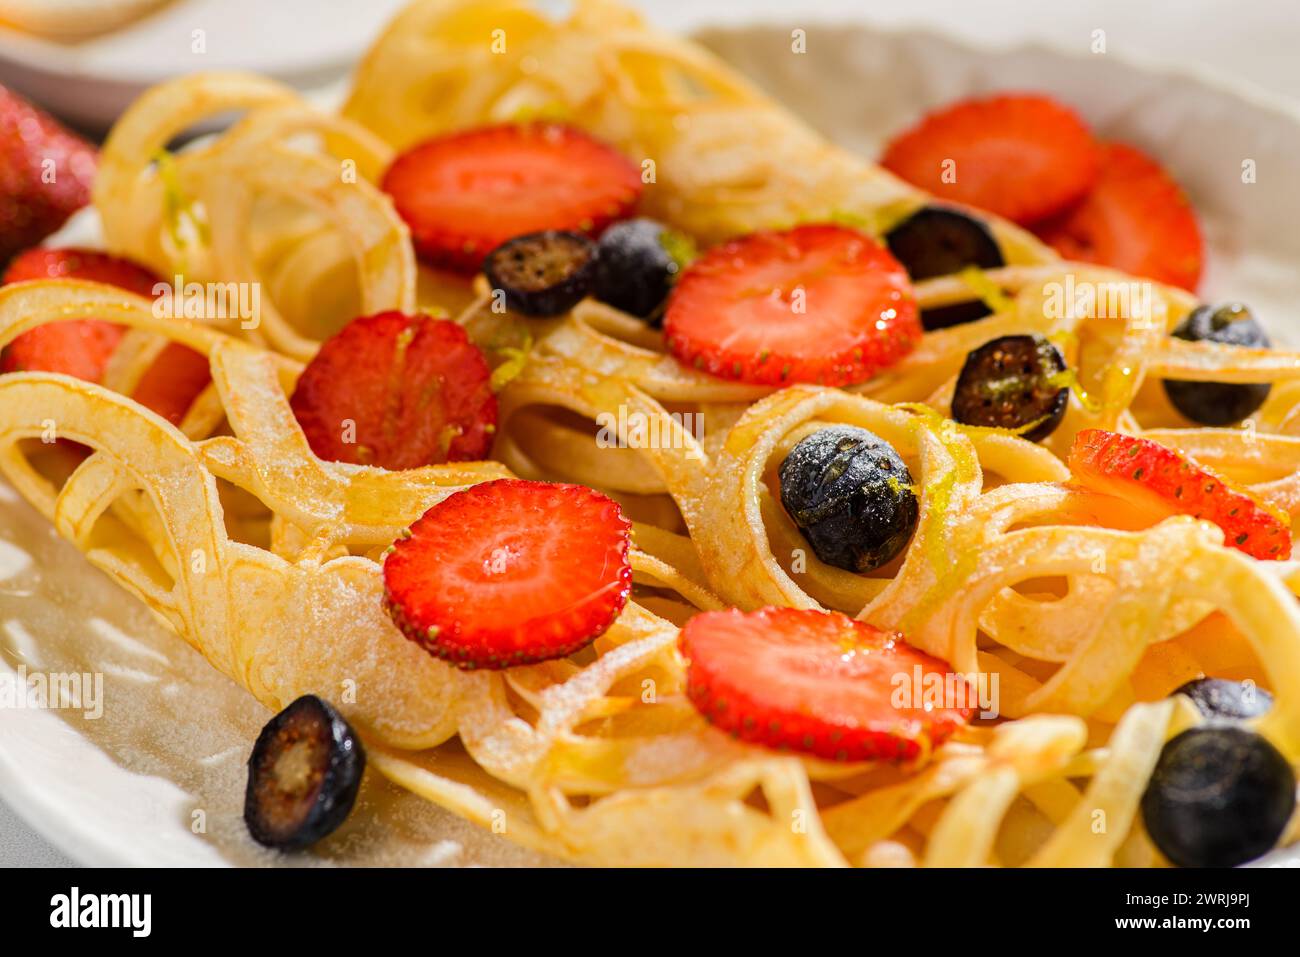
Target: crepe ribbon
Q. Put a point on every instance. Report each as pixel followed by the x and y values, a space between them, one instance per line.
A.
pixel 266 559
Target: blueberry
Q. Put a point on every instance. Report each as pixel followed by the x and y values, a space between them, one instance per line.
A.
pixel 1233 700
pixel 543 274
pixel 955 314
pixel 303 775
pixel 938 242
pixel 1219 403
pixel 1013 382
pixel 1220 795
pixel 636 267
pixel 852 496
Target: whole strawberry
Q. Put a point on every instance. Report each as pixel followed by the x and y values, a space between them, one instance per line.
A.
pixel 45 174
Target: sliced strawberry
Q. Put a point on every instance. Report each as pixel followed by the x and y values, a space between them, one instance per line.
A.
pixel 1020 156
pixel 45 174
pixel 90 264
pixel 510 572
pixel 80 348
pixel 1136 218
pixel 83 348
pixel 399 392
pixel 466 193
pixel 1158 477
pixel 813 681
pixel 822 304
pixel 170 386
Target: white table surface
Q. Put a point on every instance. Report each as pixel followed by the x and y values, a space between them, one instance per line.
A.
pixel 1254 40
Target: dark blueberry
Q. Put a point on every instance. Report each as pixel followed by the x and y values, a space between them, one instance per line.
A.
pixel 959 313
pixel 1011 383
pixel 938 242
pixel 1217 698
pixel 636 267
pixel 1219 403
pixel 1220 796
pixel 303 775
pixel 543 274
pixel 852 495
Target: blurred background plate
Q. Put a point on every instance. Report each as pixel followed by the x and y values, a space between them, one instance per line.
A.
pixel 306 43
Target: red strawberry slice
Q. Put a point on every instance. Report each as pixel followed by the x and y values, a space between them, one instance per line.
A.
pixel 1158 477
pixel 170 386
pixel 83 348
pixel 90 264
pixel 824 304
pixel 815 682
pixel 80 348
pixel 466 193
pixel 398 392
pixel 510 572
pixel 1020 156
pixel 1136 218
pixel 45 174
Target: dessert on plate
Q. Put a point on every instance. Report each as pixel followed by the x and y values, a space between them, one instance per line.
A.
pixel 676 487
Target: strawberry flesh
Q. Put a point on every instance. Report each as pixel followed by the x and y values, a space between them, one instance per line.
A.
pixel 819 303
pixel 1140 470
pixel 83 348
pixel 397 392
pixel 1021 156
pixel 466 193
pixel 89 264
pixel 1136 219
pixel 815 682
pixel 510 572
pixel 176 378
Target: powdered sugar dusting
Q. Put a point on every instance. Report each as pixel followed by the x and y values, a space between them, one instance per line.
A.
pixel 13 560
pixel 182 732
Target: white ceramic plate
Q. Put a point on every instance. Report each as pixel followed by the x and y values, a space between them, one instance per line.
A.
pixel 125 789
pixel 306 43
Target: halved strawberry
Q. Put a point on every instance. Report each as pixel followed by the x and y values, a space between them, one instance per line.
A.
pixel 399 392
pixel 816 682
pixel 822 303
pixel 510 572
pixel 1158 477
pixel 466 193
pixel 1021 156
pixel 45 174
pixel 1136 218
pixel 80 348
